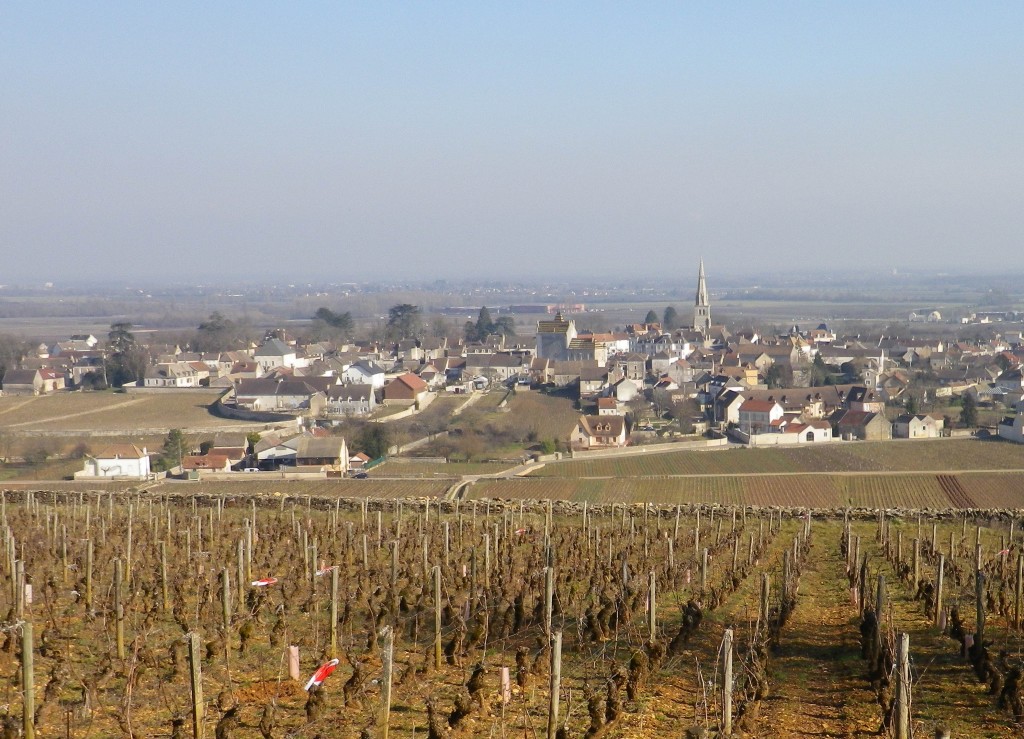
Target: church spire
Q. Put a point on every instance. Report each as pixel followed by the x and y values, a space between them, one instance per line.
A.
pixel 702 306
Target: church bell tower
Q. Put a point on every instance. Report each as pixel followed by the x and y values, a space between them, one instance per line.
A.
pixel 701 306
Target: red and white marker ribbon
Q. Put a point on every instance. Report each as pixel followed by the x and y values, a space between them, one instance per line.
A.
pixel 322 673
pixel 264 582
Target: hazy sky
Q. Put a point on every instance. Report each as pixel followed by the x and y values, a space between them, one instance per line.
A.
pixel 367 140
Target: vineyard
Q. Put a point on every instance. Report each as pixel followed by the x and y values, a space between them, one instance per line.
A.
pixel 215 615
pixel 889 456
pixel 895 490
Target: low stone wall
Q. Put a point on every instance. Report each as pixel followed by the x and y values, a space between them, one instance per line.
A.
pixel 243 414
pixel 673 446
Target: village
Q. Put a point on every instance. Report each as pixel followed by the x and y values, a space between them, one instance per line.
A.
pixel 662 381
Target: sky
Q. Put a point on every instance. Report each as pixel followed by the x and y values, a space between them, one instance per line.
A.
pixel 374 141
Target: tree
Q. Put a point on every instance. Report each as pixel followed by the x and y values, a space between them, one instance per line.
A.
pixel 127 360
pixel 505 325
pixel 340 324
pixel 774 376
pixel 912 405
pixel 969 411
pixel 373 440
pixel 175 448
pixel 12 351
pixel 651 317
pixel 484 325
pixel 670 320
pixel 216 333
pixel 403 321
pixel 819 374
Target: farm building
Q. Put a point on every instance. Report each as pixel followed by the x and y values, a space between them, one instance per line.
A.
pixel 123 461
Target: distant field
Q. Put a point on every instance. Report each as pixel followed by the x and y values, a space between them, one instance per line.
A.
pixel 544 416
pixel 110 412
pixel 344 488
pixel 981 490
pixel 451 470
pixel 942 454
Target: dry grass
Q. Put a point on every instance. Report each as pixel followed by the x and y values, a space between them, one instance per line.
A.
pixel 451 470
pixel 108 411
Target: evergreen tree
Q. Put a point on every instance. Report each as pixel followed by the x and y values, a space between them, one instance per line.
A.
pixel 911 405
pixel 126 362
pixel 670 320
pixel 651 317
pixel 175 448
pixel 403 321
pixel 969 411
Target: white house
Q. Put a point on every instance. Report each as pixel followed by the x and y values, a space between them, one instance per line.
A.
pixel 274 353
pixel 172 374
pixel 364 372
pixel 125 461
pixel 592 432
pixel 920 426
pixel 1012 428
pixel 351 400
pixel 756 416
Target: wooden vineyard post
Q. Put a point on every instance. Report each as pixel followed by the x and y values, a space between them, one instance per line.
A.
pixel 241 573
pixel 437 617
pixel 696 536
pixel 387 659
pixel 727 684
pixel 879 609
pixel 917 564
pixel 226 599
pixel 704 571
pixel 556 680
pixel 549 599
pixel 334 614
pixel 163 575
pixel 735 549
pixel 195 667
pixel 394 563
pixel 903 687
pixel 979 607
pixel 938 588
pixel 652 610
pixel 88 574
pixel 1017 591
pixel 487 561
pixel 784 593
pixel 119 608
pixel 28 688
pixel 64 551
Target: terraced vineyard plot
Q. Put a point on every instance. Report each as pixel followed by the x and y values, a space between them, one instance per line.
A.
pixel 942 454
pixel 938 455
pixel 887 491
pixel 815 491
pixel 990 490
